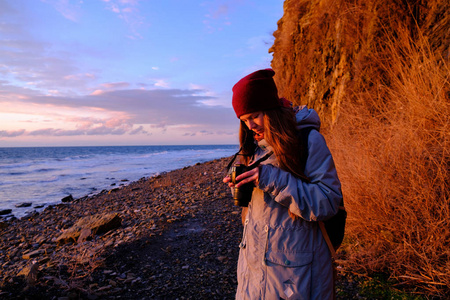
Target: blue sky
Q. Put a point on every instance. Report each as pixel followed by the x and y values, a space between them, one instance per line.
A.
pixel 127 72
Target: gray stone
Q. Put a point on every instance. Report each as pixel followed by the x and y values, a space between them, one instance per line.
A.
pixel 30 272
pixel 33 254
pixel 67 199
pixel 97 224
pixel 5 212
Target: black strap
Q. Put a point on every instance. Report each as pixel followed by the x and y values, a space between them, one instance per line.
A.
pixel 253 165
pixel 233 159
pixel 256 163
pixel 303 135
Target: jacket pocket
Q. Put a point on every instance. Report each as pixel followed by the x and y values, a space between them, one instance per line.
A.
pixel 288 275
pixel 289 259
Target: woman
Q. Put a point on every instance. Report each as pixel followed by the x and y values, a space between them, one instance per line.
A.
pixel 283 254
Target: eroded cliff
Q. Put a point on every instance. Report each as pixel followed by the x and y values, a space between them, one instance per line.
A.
pixel 325 51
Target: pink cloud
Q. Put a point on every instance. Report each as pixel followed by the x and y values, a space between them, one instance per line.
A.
pixel 115 85
pixel 79 76
pixel 97 92
pixel 11 133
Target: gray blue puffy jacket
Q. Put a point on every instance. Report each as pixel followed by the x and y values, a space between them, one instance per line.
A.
pixel 281 258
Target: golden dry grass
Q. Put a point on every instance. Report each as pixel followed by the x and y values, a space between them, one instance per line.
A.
pixel 391 145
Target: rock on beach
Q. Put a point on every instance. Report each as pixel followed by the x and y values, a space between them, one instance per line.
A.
pixel 23 204
pixel 5 212
pixel 90 225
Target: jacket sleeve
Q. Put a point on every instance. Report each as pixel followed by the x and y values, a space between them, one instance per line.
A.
pixel 314 201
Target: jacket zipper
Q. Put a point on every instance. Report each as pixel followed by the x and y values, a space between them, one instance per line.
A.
pixel 266 229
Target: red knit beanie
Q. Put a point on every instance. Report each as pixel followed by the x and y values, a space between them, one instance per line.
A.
pixel 255 92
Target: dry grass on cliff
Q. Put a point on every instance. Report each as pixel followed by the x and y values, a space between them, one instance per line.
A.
pixel 392 151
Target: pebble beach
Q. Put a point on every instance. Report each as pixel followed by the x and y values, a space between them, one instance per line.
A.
pixel 173 236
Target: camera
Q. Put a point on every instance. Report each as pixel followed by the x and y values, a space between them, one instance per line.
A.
pixel 243 194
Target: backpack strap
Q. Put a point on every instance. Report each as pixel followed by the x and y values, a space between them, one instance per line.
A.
pixel 327 239
pixel 304 135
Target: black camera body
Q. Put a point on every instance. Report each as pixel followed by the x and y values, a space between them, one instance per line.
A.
pixel 243 194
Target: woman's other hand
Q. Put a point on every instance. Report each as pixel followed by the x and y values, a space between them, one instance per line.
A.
pixel 228 180
pixel 249 176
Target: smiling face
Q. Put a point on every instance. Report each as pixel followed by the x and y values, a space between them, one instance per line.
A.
pixel 255 122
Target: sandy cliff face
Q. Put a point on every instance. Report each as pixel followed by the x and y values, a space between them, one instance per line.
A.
pixel 326 50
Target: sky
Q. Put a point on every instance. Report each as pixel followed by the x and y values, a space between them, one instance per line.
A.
pixel 127 72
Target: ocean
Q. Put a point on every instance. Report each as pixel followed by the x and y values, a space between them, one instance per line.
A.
pixel 43 176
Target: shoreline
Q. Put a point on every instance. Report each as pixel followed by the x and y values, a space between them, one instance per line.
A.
pixel 47 176
pixel 26 209
pixel 39 208
pixel 33 209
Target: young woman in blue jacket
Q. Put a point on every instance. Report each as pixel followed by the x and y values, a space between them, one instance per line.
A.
pixel 283 254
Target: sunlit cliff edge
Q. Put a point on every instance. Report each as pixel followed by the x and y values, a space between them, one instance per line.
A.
pixel 326 50
pixel 378 73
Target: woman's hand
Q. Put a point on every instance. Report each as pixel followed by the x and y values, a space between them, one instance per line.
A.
pixel 249 176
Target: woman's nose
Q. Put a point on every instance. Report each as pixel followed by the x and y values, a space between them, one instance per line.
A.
pixel 251 125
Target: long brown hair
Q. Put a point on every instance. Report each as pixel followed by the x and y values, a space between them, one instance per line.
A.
pixel 281 133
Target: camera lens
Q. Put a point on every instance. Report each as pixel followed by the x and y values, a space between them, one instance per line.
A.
pixel 243 194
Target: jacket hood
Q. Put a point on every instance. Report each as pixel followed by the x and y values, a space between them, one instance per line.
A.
pixel 307 117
